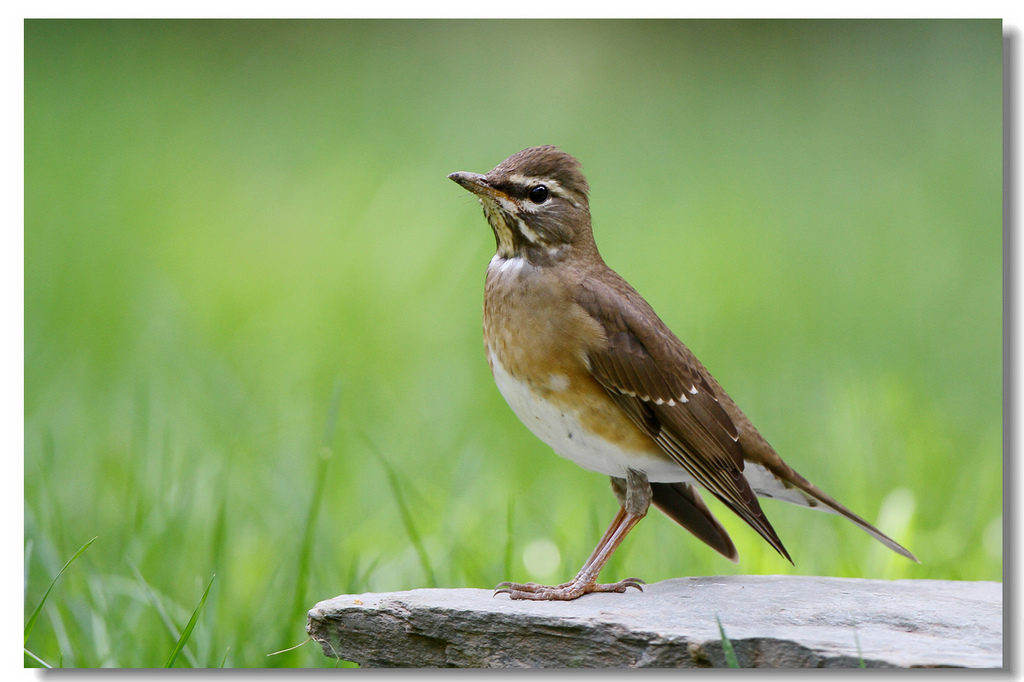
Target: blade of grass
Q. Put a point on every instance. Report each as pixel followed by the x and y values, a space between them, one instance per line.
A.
pixel 305 558
pixel 509 528
pixel 161 611
pixel 37 659
pixel 60 633
pixel 29 545
pixel 187 632
pixel 361 581
pixel 218 543
pixel 35 614
pixel 860 654
pixel 730 653
pixel 306 545
pixel 403 510
pixel 291 648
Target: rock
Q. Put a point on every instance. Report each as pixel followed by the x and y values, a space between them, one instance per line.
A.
pixel 771 621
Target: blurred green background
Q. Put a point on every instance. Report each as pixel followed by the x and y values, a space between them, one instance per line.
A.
pixel 252 304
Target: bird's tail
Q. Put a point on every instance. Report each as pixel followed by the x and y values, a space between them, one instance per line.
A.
pixel 789 486
pixel 683 504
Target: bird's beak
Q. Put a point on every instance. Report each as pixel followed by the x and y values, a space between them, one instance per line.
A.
pixel 477 184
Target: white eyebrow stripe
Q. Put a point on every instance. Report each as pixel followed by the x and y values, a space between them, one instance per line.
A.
pixel 531 180
pixel 554 187
pixel 520 179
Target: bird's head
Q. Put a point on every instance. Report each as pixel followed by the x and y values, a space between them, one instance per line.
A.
pixel 536 203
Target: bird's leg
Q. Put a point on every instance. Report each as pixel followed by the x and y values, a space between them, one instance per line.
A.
pixel 634 498
pixel 616 522
pixel 620 487
pixel 590 560
pixel 586 580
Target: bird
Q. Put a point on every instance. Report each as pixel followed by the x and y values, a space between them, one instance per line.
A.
pixel 589 367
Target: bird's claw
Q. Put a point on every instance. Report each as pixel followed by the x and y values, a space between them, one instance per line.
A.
pixel 565 591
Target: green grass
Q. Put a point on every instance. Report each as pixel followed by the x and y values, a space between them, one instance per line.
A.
pixel 225 222
pixel 727 649
pixel 39 607
pixel 189 627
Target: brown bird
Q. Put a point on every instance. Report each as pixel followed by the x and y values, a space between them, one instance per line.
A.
pixel 592 371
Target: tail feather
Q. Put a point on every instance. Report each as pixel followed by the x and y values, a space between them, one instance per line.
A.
pixel 683 504
pixel 789 486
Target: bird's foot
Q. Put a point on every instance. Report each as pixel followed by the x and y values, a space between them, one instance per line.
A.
pixel 564 592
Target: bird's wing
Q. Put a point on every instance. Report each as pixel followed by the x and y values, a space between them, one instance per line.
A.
pixel 664 389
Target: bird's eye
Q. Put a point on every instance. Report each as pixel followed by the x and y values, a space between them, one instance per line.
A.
pixel 539 194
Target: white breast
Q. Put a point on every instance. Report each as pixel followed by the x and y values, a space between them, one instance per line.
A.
pixel 562 431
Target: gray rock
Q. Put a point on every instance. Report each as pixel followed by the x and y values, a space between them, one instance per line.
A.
pixel 772 622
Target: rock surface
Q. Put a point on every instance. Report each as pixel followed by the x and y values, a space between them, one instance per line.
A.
pixel 772 621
